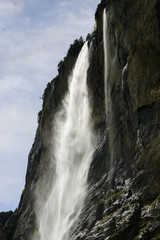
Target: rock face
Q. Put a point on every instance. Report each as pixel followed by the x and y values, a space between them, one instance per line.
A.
pixel 124 183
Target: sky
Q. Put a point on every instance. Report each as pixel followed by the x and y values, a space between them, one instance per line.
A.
pixel 35 36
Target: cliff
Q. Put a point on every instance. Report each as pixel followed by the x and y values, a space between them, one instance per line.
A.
pixel 123 199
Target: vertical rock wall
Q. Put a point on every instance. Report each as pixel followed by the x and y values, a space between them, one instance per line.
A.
pixel 123 200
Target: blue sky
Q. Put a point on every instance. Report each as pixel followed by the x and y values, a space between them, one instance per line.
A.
pixel 35 36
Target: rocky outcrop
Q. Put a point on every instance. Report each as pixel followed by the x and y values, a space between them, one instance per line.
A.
pixel 123 196
pixel 4 216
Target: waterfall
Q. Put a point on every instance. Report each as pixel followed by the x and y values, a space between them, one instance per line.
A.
pixel 105 40
pixel 73 147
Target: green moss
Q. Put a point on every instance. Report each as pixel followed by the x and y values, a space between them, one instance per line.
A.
pixel 17 235
pixel 103 201
pixel 157 237
pixel 35 233
pixel 116 235
pixel 22 192
pixel 115 194
pixel 145 229
pixel 106 218
pixel 153 202
pixel 135 204
pixel 143 225
pixel 142 232
pixel 158 198
pixel 94 27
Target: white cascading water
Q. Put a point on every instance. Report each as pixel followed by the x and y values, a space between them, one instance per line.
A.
pixel 105 40
pixel 73 147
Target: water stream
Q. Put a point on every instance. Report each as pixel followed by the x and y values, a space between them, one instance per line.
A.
pixel 73 147
pixel 105 46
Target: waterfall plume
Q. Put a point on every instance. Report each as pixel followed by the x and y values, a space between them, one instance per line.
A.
pixel 105 40
pixel 72 149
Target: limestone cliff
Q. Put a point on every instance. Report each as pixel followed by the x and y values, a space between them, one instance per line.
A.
pixel 124 183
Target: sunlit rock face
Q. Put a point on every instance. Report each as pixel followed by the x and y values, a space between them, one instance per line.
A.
pixel 123 200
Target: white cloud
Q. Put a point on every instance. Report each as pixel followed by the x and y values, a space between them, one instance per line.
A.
pixel 63 4
pixel 15 6
pixel 16 123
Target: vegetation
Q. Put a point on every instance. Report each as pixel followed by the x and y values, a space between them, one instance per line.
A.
pixel 72 51
pixel 22 192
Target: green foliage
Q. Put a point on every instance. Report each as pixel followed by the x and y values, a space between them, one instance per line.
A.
pixel 22 192
pixel 106 218
pixel 113 195
pixel 36 234
pixel 73 50
pixel 95 27
pixel 157 237
pixel 143 232
pixel 38 119
pixel 116 194
pixel 153 202
pixel 89 37
pixel 17 235
pixel 61 64
pixel 75 47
